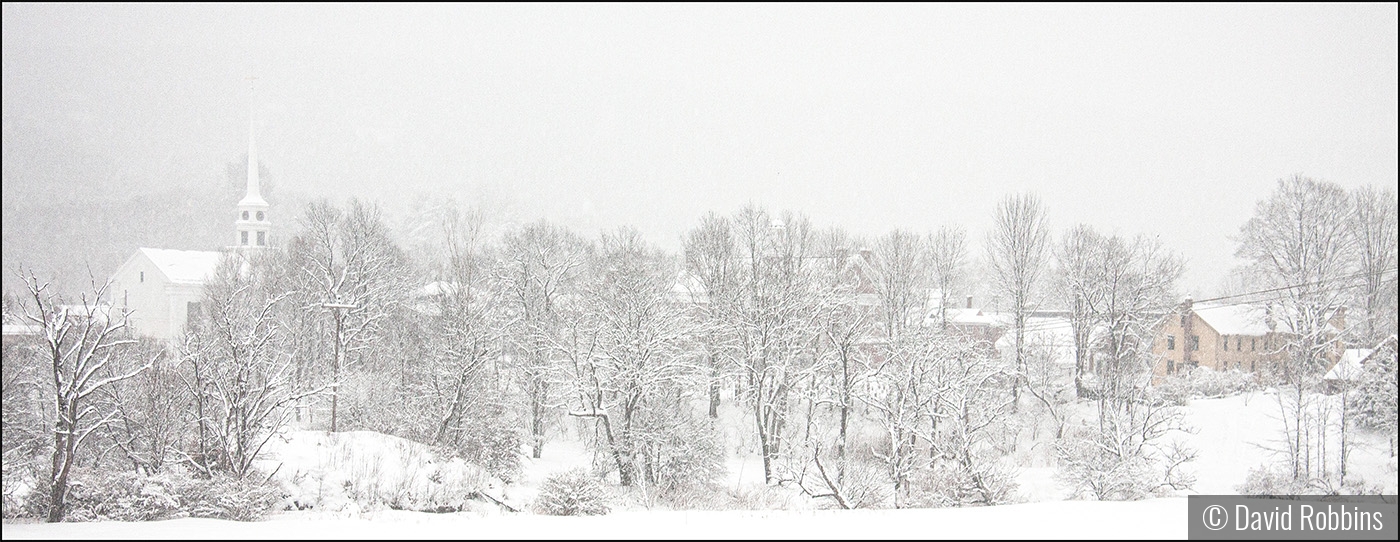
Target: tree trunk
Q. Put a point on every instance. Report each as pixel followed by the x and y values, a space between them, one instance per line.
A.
pixel 714 387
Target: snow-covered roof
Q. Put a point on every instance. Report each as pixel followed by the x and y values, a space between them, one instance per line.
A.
pixel 1349 367
pixel 970 317
pixel 184 266
pixel 1053 335
pixel 688 289
pixel 1234 319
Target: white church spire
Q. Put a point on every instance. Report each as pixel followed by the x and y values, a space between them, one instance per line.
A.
pixel 252 225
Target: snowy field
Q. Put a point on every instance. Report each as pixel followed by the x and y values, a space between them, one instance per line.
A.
pixel 1233 436
pixel 1158 518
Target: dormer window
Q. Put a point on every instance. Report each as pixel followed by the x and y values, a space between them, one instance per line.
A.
pixel 245 217
pixel 260 218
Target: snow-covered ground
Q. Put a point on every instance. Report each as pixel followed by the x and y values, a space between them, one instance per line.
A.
pixel 1232 437
pixel 1158 518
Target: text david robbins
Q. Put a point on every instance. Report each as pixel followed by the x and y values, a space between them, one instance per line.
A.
pixel 1238 517
pixel 1331 517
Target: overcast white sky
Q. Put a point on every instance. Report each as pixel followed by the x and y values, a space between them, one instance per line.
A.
pixel 1167 119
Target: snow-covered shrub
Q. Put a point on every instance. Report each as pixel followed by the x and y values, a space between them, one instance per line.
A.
pixel 949 484
pixel 127 496
pixel 493 443
pixel 1102 469
pixel 572 493
pixel 1276 480
pixel 1094 473
pixel 865 485
pixel 760 497
pixel 1207 383
pixel 690 458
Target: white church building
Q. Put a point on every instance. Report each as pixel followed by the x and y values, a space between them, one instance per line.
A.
pixel 163 287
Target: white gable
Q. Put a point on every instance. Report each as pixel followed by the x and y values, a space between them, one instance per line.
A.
pixel 184 266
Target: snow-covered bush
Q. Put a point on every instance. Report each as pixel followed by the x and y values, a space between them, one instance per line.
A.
pixel 690 458
pixel 572 493
pixel 1207 383
pixel 1275 480
pixel 127 496
pixel 493 443
pixel 1131 469
pixel 951 485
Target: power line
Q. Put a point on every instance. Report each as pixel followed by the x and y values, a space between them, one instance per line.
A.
pixel 1290 287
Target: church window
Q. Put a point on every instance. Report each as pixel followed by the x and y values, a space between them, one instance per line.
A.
pixel 245 215
pixel 260 217
pixel 262 237
pixel 243 237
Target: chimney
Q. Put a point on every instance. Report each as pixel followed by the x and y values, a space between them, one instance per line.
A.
pixel 969 302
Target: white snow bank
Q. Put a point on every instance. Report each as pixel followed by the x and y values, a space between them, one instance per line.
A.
pixel 1157 518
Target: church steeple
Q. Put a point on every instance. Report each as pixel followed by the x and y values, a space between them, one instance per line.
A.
pixel 252 223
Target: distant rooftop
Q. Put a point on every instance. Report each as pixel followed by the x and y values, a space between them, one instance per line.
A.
pixel 184 266
pixel 1233 319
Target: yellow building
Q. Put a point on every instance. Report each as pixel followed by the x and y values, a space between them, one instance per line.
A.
pixel 1223 337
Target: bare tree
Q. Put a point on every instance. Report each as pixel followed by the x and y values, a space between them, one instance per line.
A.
pixel 846 326
pixel 243 375
pixel 1078 272
pixel 631 356
pixel 87 348
pixel 1374 229
pixel 947 254
pixel 539 264
pixel 1016 250
pixel 150 407
pixel 711 257
pixel 776 318
pixel 900 278
pixel 351 269
pixel 1298 241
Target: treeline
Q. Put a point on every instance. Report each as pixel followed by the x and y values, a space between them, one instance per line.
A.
pixel 855 385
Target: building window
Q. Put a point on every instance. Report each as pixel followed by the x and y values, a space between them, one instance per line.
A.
pixel 243 237
pixel 1195 342
pixel 245 215
pixel 262 238
pixel 1171 342
pixel 1226 343
pixel 260 216
pixel 1239 344
pixel 1252 342
pixel 1171 366
pixel 143 276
